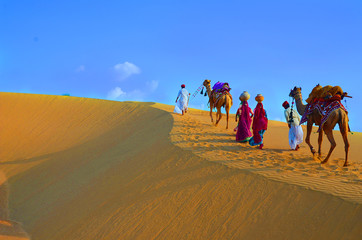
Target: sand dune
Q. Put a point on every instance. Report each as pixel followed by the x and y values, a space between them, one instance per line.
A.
pixel 81 168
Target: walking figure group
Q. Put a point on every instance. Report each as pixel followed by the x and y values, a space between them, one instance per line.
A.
pixel 257 120
pixel 252 124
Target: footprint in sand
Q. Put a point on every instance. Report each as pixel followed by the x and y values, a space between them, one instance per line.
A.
pixel 289 161
pixel 332 167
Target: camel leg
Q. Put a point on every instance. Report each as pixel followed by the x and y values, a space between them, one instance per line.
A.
pixel 307 138
pixel 329 134
pixel 320 139
pixel 211 107
pixel 218 116
pixel 227 108
pixel 344 128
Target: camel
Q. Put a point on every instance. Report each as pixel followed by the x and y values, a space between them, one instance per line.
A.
pixel 225 102
pixel 337 116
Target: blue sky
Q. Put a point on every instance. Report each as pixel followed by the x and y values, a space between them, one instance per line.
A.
pixel 144 50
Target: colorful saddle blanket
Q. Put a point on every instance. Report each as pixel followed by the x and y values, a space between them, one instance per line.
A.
pixel 219 90
pixel 221 87
pixel 217 86
pixel 325 107
pixel 219 95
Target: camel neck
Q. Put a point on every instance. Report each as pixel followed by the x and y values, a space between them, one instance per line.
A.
pixel 299 104
pixel 208 89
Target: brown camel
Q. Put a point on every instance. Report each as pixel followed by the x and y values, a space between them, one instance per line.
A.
pixel 337 116
pixel 225 102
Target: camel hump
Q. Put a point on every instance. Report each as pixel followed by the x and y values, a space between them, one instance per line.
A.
pixel 325 92
pixel 314 93
pixel 335 90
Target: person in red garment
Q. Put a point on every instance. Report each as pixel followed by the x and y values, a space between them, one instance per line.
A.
pixel 260 123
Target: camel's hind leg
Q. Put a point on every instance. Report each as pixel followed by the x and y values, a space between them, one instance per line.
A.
pixel 320 140
pixel 344 128
pixel 307 138
pixel 227 109
pixel 218 116
pixel 329 134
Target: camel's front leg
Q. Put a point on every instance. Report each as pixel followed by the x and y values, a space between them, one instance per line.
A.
pixel 227 116
pixel 211 107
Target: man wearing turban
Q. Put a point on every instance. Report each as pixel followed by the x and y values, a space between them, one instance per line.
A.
pixel 182 100
pixel 295 130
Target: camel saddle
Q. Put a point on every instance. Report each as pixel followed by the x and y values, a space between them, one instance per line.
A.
pixel 324 106
pixel 219 90
pixel 221 87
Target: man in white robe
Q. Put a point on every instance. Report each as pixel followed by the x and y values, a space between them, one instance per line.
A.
pixel 182 100
pixel 295 130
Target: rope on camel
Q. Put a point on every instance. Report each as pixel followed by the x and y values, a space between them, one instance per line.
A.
pixel 201 88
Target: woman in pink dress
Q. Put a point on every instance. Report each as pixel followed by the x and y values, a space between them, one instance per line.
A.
pixel 244 114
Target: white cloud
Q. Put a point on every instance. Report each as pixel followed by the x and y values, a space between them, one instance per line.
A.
pixel 152 86
pixel 136 94
pixel 124 70
pixel 115 93
pixel 81 68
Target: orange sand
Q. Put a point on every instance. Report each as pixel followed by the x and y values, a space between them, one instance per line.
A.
pixel 81 168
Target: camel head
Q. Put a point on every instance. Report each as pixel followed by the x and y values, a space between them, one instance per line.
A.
pixel 206 83
pixel 295 91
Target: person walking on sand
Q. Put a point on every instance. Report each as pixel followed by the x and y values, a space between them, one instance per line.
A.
pixel 295 130
pixel 182 100
pixel 245 115
pixel 260 123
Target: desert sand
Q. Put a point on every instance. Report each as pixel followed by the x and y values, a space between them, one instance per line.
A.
pixel 78 168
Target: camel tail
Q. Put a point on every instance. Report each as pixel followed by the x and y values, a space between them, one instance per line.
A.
pixel 346 121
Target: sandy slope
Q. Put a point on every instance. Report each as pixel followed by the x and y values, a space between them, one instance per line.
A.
pixel 92 169
pixel 8 229
pixel 276 161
